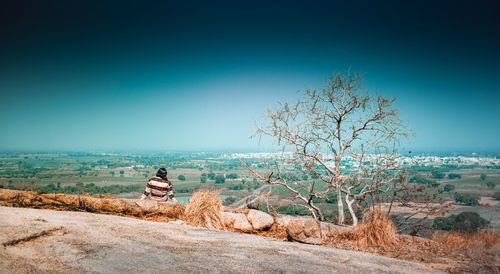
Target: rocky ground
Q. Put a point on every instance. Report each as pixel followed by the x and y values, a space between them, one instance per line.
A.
pixel 38 241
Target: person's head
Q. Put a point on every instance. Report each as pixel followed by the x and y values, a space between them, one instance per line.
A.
pixel 162 173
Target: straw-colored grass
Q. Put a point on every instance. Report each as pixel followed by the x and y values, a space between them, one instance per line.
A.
pixel 204 210
pixel 376 231
pixel 377 234
pixel 465 241
pixel 479 251
pixel 99 204
pixel 276 231
pixel 450 252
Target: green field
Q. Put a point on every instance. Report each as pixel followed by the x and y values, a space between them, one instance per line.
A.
pixel 125 175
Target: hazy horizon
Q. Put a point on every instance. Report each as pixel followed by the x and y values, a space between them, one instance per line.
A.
pixel 197 76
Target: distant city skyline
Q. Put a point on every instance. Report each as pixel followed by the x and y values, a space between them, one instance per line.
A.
pixel 155 75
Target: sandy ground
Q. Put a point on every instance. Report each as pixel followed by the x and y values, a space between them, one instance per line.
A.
pixel 38 241
pixel 489 201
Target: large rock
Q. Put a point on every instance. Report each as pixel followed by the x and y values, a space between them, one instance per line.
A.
pixel 47 241
pixel 237 221
pixel 328 229
pixel 302 229
pixel 150 205
pixel 147 205
pixel 260 220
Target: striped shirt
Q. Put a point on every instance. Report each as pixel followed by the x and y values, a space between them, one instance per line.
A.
pixel 159 189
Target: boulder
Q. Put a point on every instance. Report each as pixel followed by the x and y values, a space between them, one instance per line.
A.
pixel 283 220
pixel 237 221
pixel 147 204
pixel 302 229
pixel 328 229
pixel 260 220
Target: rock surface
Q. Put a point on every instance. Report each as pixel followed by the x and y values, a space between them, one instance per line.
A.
pixel 260 220
pixel 329 229
pixel 302 229
pixel 148 205
pixel 237 221
pixel 46 241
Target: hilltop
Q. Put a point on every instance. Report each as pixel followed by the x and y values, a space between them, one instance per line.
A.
pixel 40 241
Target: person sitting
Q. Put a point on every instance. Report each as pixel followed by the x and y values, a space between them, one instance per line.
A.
pixel 159 188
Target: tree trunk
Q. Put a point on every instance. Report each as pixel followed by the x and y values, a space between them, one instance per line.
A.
pixel 351 210
pixel 316 212
pixel 313 212
pixel 340 205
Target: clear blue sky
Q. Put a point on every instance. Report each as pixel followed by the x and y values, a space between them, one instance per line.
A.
pixel 116 75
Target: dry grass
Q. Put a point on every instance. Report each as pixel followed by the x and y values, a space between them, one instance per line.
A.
pixel 204 210
pixel 176 212
pixel 377 234
pixel 276 231
pixel 108 205
pixel 376 231
pixel 480 251
pixel 165 213
pixel 463 241
pixel 451 252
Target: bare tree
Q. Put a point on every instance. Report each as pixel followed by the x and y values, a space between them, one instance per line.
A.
pixel 421 201
pixel 326 129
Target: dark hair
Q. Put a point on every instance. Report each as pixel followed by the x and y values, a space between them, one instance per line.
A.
pixel 162 173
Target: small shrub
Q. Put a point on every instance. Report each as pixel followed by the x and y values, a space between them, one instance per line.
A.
pixel 232 176
pixel 229 200
pixel 417 179
pixel 211 176
pixel 220 179
pixel 203 178
pixel 497 196
pixel 483 177
pixel 490 185
pixel 444 223
pixel 236 187
pixel 181 177
pixel 436 174
pixel 466 199
pixel 448 188
pixel 463 222
pixel 453 176
pixel 434 184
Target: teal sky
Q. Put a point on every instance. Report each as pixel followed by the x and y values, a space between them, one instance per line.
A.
pixel 193 77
